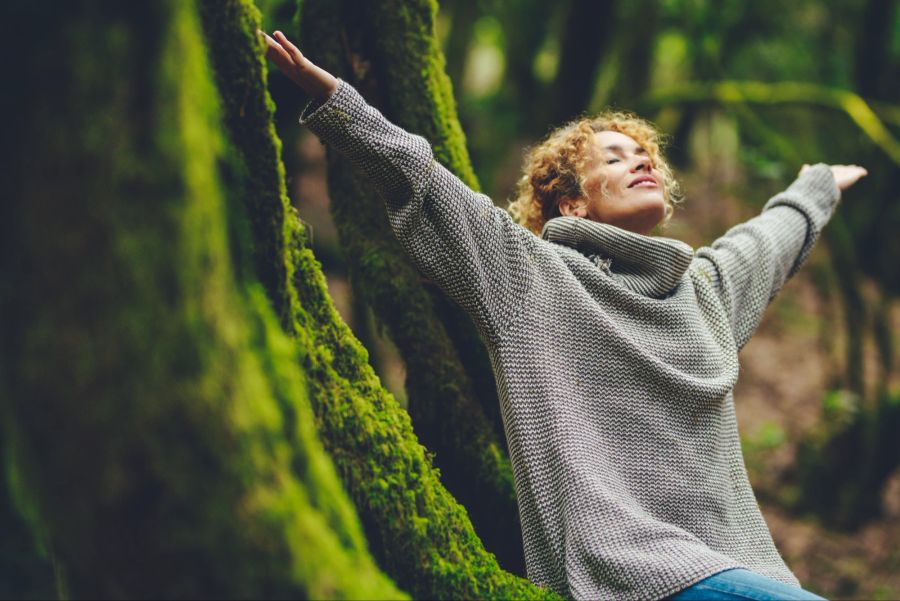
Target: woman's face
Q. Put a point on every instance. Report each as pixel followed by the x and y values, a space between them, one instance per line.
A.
pixel 623 188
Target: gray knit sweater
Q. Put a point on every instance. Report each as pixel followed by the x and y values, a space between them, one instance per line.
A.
pixel 615 356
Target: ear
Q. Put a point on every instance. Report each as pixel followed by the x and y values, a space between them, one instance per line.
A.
pixel 573 207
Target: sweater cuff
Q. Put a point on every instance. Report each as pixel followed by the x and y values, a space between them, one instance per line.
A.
pixel 329 119
pixel 815 194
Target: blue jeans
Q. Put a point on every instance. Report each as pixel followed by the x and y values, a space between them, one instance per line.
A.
pixel 739 585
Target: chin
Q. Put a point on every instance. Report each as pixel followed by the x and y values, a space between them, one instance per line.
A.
pixel 651 217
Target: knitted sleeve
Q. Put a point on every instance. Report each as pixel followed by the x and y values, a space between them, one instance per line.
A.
pixel 754 259
pixel 456 237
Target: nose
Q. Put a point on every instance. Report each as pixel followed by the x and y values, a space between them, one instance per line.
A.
pixel 643 163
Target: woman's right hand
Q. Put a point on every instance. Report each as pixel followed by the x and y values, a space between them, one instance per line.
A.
pixel 314 80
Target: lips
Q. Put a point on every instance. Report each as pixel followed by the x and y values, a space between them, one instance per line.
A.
pixel 643 180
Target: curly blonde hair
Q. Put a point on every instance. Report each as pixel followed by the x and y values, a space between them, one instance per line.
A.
pixel 554 170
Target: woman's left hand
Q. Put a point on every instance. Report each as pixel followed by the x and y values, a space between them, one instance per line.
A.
pixel 844 175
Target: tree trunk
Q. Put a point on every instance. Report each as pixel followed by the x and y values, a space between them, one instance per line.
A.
pixel 419 534
pixel 587 32
pixel 157 419
pixel 462 14
pixel 395 61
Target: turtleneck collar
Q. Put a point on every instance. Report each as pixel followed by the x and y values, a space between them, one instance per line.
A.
pixel 648 265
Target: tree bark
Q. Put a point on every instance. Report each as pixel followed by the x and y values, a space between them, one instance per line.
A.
pixel 392 56
pixel 155 414
pixel 418 533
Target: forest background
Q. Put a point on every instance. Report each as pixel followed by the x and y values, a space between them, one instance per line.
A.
pixel 747 93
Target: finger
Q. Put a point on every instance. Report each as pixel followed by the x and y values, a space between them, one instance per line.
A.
pixel 278 55
pixel 276 48
pixel 295 53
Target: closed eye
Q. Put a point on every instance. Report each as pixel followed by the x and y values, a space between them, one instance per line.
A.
pixel 611 161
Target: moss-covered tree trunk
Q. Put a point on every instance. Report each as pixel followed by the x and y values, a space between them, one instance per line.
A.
pixel 155 420
pixel 419 534
pixel 392 56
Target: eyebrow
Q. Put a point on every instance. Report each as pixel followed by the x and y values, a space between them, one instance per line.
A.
pixel 617 148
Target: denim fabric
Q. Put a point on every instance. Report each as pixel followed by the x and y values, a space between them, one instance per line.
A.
pixel 740 585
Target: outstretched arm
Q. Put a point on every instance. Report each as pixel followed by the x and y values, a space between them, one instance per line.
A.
pixel 753 260
pixel 456 237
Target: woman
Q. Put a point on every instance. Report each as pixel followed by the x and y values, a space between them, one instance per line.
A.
pixel 615 353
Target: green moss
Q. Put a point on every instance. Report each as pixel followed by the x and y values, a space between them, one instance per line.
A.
pixel 406 77
pixel 442 402
pixel 415 528
pixel 418 532
pixel 416 91
pixel 161 423
pixel 237 55
pixel 416 94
